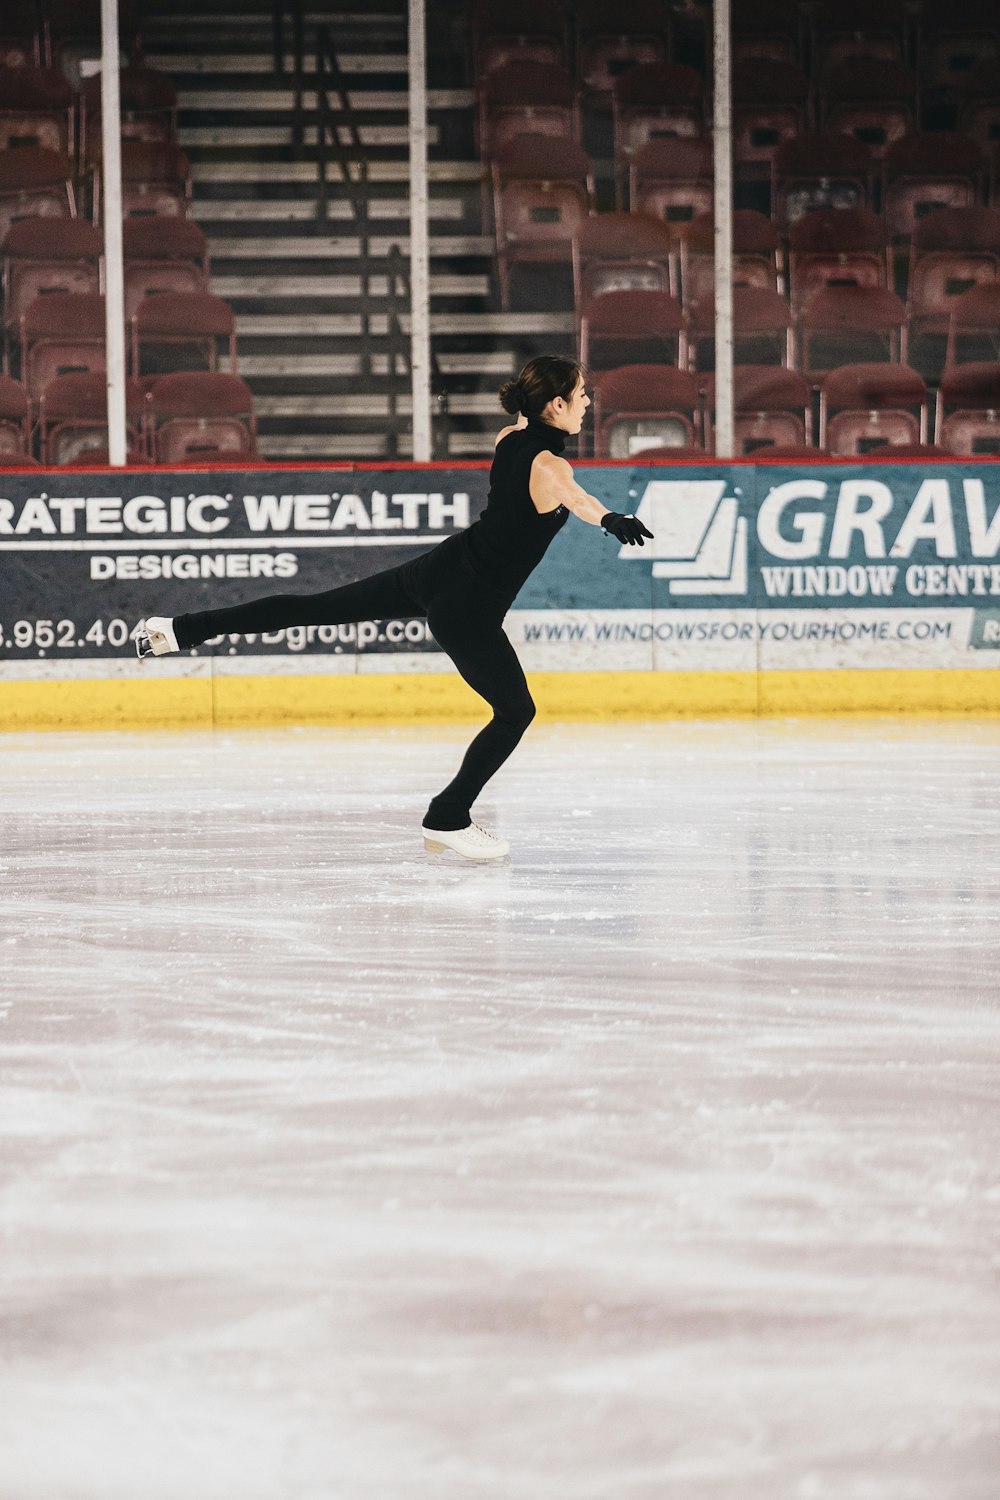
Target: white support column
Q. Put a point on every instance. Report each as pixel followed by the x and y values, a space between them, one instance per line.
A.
pixel 723 155
pixel 111 188
pixel 420 282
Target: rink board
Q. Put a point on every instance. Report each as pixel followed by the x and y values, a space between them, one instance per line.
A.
pixel 769 589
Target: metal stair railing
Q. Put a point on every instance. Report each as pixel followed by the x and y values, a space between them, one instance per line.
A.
pixel 353 168
pixel 282 11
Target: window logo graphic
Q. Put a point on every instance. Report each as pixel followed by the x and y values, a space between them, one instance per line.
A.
pixel 700 538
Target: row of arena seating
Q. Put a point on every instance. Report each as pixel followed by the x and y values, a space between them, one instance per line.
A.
pixel 874 109
pixel 866 130
pixel 543 189
pixel 54 313
pixel 39 107
pixel 649 410
pixel 42 255
pixel 180 405
pixel 37 180
pixel 53 33
pixel 171 419
pixel 594 43
pixel 838 325
pixel 59 128
pixel 47 260
pixel 863 409
pixel 818 298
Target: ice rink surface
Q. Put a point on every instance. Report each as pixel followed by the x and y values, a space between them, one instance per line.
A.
pixel 659 1163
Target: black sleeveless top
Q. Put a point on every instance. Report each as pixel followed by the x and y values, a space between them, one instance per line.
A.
pixel 511 537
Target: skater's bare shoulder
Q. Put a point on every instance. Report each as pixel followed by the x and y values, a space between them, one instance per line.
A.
pixel 522 421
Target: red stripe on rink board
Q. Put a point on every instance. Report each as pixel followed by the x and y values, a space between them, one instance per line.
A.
pixel 754 460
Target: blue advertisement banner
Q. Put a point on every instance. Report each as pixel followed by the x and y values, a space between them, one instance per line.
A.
pixel 751 565
pixel 766 537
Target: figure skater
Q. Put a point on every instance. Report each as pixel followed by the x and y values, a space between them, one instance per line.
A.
pixel 464 586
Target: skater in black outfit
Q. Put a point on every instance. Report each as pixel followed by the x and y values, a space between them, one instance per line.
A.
pixel 464 587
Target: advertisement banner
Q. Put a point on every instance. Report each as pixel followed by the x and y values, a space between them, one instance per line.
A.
pixel 753 567
pixel 84 556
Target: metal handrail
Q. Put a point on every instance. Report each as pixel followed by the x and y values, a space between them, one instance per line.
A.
pixel 280 11
pixel 331 115
pixel 330 79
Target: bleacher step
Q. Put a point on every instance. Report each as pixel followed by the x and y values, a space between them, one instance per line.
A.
pixel 209 210
pixel 292 277
pixel 321 325
pixel 245 288
pixel 342 247
pixel 496 366
pixel 305 171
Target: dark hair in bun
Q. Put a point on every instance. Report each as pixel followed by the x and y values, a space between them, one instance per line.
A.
pixel 540 381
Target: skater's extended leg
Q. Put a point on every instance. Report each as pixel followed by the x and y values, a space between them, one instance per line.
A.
pixel 383 596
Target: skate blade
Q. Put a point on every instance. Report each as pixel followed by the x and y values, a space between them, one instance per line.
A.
pixel 432 846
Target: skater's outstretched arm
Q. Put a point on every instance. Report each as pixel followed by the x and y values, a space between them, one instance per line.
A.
pixel 552 484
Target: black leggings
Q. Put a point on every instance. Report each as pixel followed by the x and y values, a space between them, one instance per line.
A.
pixel 465 615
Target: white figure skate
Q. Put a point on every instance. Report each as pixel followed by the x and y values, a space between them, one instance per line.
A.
pixel 155 637
pixel 471 843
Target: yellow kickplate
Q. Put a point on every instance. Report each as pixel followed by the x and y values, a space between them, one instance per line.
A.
pixel 228 701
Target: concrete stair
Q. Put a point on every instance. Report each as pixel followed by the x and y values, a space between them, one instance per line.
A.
pixel 295 280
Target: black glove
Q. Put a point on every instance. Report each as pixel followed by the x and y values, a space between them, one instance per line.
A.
pixel 625 528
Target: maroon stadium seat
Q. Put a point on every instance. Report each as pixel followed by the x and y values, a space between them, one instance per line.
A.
pixel 162 255
pixel 771 408
pixel 814 172
pixel 672 179
pixel 631 327
pixel 757 255
pixel 928 171
pixel 951 251
pixel 156 180
pixel 643 405
pixel 956 36
pixel 34 182
pixel 41 256
pixel 543 190
pixel 526 98
pixel 851 325
pixel 770 106
pixel 979 115
pixel 36 109
pixel 836 247
pixel 193 323
pixel 612 40
pixel 15 423
pixel 615 252
pixel 506 31
pixel 974 325
pixel 968 410
pixel 863 406
pixel 73 417
pixel 654 101
pixel 61 334
pixel 20 40
pixel 845 30
pixel 873 99
pixel 200 417
pixel 762 329
pixel 766 28
pixel 148 110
